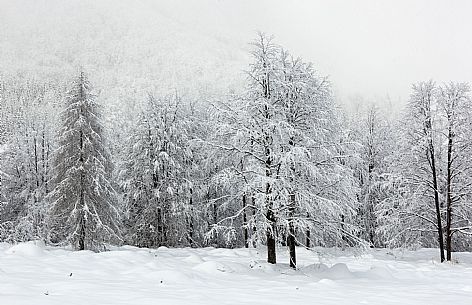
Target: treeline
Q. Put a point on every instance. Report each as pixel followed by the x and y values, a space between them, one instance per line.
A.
pixel 280 164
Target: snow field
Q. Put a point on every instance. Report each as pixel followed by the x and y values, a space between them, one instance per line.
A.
pixel 31 273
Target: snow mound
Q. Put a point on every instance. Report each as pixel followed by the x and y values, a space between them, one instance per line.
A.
pixel 223 252
pixel 212 267
pixel 261 265
pixel 162 249
pixel 379 272
pixel 193 259
pixel 128 275
pixel 339 271
pixel 327 283
pixel 313 268
pixel 32 249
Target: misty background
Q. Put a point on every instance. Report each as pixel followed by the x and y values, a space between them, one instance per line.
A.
pixel 371 50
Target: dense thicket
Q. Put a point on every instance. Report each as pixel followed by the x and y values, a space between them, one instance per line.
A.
pixel 278 164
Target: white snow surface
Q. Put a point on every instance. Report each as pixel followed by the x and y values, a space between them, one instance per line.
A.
pixel 31 273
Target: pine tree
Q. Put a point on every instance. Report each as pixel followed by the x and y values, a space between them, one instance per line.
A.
pixel 84 209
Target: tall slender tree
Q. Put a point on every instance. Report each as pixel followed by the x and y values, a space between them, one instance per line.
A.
pixel 423 132
pixel 84 210
pixel 454 101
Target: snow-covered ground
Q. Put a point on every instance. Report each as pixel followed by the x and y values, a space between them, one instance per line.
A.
pixel 32 274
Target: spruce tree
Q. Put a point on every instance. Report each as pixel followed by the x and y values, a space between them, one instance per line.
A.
pixel 84 209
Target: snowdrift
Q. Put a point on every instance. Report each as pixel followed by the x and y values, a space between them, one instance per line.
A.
pixel 32 273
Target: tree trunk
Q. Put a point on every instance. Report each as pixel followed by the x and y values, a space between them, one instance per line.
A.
pixel 438 210
pixel 245 229
pixel 254 226
pixel 271 233
pixel 435 186
pixel 43 157
pixel 271 252
pixel 46 170
pixel 82 198
pixel 36 161
pixel 291 212
pixel 82 232
pixel 307 242
pixel 449 197
pixel 190 221
pixel 291 233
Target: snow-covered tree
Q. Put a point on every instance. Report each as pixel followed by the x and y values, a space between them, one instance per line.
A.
pixel 285 151
pixel 372 134
pixel 416 215
pixel 84 210
pixel 455 106
pixel 157 177
pixel 25 160
pixel 312 157
pixel 430 171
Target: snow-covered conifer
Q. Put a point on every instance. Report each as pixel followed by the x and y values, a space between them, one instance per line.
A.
pixel 84 208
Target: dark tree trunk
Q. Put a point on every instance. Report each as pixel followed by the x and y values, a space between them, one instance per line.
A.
pixel 190 221
pixel 436 201
pixel 271 233
pixel 245 229
pixel 431 156
pixel 46 170
pixel 82 232
pixel 254 227
pixel 307 242
pixel 291 233
pixel 449 197
pixel 36 160
pixel 81 240
pixel 291 213
pixel 215 221
pixel 43 157
pixel 271 252
pixel 270 216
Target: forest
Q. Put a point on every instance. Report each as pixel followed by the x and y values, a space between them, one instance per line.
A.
pixel 278 163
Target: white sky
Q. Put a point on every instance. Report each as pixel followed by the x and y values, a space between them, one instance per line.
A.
pixel 368 47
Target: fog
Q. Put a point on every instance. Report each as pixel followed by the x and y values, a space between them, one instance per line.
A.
pixel 370 49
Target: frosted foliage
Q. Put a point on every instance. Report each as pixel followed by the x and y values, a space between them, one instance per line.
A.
pixel 156 177
pixel 180 149
pixel 27 139
pixel 84 203
pixel 429 166
pixel 286 155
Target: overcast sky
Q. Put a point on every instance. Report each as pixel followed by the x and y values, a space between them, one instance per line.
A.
pixel 368 47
